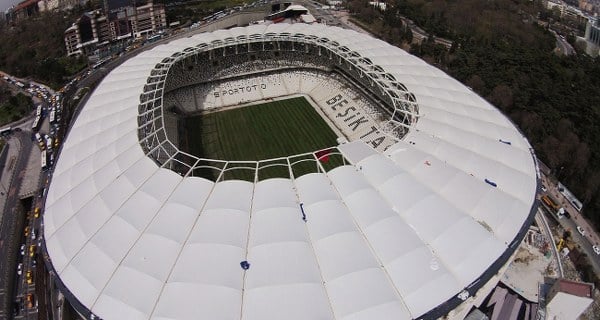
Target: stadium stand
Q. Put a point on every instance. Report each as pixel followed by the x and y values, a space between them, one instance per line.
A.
pixel 356 117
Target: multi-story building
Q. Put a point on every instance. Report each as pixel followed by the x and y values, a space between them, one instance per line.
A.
pixel 25 9
pixel 148 17
pixel 96 29
pixel 72 41
pixel 592 37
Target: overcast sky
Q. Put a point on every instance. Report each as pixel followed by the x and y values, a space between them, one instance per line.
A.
pixel 5 4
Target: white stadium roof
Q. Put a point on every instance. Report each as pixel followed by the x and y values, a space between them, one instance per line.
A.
pixel 393 235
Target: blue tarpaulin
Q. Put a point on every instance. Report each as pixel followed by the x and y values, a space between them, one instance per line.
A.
pixel 245 265
pixel 491 183
pixel 303 214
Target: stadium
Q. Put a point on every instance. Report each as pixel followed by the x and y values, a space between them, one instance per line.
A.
pixel 414 195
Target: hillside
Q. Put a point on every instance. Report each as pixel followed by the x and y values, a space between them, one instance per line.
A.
pixel 36 48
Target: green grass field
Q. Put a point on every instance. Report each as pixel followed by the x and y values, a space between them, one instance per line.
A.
pixel 259 132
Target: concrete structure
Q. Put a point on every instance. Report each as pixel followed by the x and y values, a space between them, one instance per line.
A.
pixel 428 206
pixel 568 299
pixel 95 29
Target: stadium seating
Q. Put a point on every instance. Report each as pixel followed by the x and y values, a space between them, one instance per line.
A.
pixel 210 81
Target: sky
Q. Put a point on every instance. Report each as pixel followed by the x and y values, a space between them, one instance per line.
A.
pixel 5 4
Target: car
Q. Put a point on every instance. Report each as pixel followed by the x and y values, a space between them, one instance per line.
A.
pixel 580 230
pixel 31 250
pixel 544 188
pixel 26 231
pixel 22 249
pixel 36 212
pixel 596 249
pixel 29 277
pixel 30 300
pixel 20 269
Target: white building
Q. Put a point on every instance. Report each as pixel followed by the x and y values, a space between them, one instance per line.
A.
pixel 567 299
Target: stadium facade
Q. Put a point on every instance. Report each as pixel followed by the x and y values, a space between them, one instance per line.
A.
pixel 414 223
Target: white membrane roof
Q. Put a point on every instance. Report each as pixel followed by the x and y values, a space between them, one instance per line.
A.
pixel 390 236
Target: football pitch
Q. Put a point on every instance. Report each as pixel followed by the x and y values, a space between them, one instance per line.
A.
pixel 264 131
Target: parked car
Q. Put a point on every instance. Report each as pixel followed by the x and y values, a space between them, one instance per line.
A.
pixel 30 301
pixel 580 230
pixel 596 249
pixel 29 277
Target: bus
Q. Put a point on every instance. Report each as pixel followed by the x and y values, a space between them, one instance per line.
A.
pixel 48 142
pixel 38 138
pixel 52 116
pixel 37 123
pixel 44 159
pixel 38 111
pixel 153 38
pixel 100 63
pixel 5 131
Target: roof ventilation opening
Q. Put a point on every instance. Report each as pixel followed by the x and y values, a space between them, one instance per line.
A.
pixel 433 264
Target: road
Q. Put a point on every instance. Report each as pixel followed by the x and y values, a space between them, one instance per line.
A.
pixel 12 226
pixel 562 46
pixel 585 241
pixel 17 172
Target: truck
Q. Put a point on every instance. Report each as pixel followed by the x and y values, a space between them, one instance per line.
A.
pixel 550 203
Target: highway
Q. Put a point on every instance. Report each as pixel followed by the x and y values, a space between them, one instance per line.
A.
pixel 20 168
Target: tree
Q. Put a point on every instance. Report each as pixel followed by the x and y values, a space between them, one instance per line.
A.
pixel 502 97
pixel 476 83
